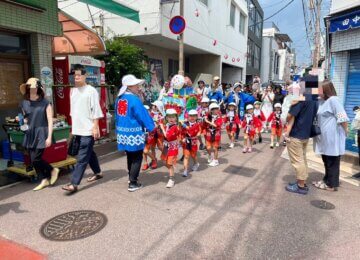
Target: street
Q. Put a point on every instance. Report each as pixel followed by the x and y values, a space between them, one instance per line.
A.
pixel 238 210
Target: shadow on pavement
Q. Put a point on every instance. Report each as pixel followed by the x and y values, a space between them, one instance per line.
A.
pixel 13 206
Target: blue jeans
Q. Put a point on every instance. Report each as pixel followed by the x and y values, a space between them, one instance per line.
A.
pixel 86 156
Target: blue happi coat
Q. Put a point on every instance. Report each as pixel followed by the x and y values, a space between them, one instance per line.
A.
pixel 131 121
pixel 244 99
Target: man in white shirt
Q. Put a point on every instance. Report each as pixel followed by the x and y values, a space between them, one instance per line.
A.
pixel 85 113
pixel 167 89
pixel 202 89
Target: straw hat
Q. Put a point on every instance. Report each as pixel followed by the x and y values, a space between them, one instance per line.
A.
pixel 32 82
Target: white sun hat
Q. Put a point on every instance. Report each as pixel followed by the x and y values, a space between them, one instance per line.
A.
pixel 160 106
pixel 277 105
pixel 232 104
pixel 205 100
pixel 193 112
pixel 129 80
pixel 249 107
pixel 213 106
pixel 146 107
pixel 171 111
pixel 213 100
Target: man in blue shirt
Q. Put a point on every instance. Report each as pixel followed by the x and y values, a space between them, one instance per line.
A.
pixel 214 93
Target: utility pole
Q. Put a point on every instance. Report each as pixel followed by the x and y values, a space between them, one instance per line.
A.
pixel 316 55
pixel 181 43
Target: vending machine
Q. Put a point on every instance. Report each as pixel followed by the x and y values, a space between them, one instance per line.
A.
pixel 63 81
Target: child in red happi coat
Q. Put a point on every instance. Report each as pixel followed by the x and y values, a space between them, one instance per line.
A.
pixel 213 133
pixel 157 114
pixel 203 111
pixel 250 124
pixel 149 150
pixel 276 125
pixel 190 132
pixel 232 121
pixel 171 132
pixel 260 115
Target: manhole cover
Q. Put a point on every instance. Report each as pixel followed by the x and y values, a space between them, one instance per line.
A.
pixel 73 225
pixel 322 204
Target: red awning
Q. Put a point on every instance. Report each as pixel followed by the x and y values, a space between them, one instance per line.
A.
pixel 77 39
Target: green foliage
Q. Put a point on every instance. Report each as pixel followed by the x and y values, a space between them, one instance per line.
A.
pixel 123 58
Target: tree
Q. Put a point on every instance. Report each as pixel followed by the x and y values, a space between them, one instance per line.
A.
pixel 123 58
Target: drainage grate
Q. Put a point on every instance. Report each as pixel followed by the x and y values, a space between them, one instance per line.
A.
pixel 322 204
pixel 73 225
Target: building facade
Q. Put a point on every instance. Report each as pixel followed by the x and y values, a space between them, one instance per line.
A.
pixel 255 27
pixel 343 54
pixel 215 36
pixel 26 31
pixel 277 59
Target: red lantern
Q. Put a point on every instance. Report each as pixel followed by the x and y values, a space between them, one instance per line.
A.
pixel 197 13
pixel 238 59
pixel 233 59
pixel 214 42
pixel 226 56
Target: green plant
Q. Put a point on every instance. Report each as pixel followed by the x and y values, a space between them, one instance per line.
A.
pixel 123 58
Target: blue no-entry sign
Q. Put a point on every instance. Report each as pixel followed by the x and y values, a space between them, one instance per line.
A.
pixel 177 24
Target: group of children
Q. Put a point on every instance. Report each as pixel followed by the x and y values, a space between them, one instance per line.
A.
pixel 204 122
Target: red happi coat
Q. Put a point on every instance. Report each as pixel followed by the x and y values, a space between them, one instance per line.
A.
pixel 260 115
pixel 202 113
pixel 172 140
pixel 232 121
pixel 213 133
pixel 190 132
pixel 275 120
pixel 250 123
pixel 158 119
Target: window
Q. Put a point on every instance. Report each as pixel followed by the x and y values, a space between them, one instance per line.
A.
pixel 242 24
pixel 205 2
pixel 257 57
pixel 276 64
pixel 250 58
pixel 258 25
pixel 252 16
pixel 232 15
pixel 173 67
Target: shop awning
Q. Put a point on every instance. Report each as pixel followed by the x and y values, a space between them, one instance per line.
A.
pixel 113 6
pixel 345 22
pixel 77 39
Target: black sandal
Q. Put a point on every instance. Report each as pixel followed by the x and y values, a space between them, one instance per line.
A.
pixel 70 188
pixel 95 177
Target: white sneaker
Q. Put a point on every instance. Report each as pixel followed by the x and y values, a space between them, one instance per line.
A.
pixel 185 173
pixel 170 184
pixel 277 144
pixel 196 167
pixel 231 145
pixel 210 159
pixel 214 163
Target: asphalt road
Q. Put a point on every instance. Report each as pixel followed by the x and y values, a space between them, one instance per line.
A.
pixel 238 210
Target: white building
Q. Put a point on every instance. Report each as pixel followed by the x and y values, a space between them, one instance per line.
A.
pixel 276 56
pixel 215 35
pixel 343 55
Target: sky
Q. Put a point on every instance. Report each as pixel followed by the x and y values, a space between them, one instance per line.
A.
pixel 291 22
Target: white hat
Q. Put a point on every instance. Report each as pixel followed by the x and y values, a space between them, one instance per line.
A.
pixel 193 112
pixel 32 83
pixel 232 104
pixel 129 80
pixel 213 106
pixel 146 107
pixel 171 111
pixel 277 105
pixel 237 84
pixel 159 106
pixel 205 100
pixel 213 100
pixel 216 78
pixel 249 107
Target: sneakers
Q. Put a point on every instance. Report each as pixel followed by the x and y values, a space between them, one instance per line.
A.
pixel 196 167
pixel 185 174
pixel 277 144
pixel 145 167
pixel 134 187
pixel 295 182
pixel 231 145
pixel 153 164
pixel 210 159
pixel 271 146
pixel 170 184
pixel 249 150
pixel 214 163
pixel 244 150
pixel 296 189
pixel 284 143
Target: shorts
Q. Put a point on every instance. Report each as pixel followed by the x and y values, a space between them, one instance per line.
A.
pixel 214 144
pixel 276 131
pixel 170 160
pixel 190 153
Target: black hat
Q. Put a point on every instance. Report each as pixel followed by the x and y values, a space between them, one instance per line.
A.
pixel 356 108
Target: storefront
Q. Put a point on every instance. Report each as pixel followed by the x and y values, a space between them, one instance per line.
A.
pixel 344 49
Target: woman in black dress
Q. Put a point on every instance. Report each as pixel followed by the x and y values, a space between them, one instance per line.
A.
pixel 38 115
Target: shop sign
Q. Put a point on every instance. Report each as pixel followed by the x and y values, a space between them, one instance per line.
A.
pixel 345 22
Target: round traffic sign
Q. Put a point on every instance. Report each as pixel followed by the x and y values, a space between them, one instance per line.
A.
pixel 177 24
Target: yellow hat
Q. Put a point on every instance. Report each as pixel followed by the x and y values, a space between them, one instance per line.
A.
pixel 32 82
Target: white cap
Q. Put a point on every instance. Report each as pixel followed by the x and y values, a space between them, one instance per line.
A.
pixel 146 107
pixel 159 106
pixel 277 105
pixel 232 104
pixel 171 111
pixel 249 107
pixel 237 84
pixel 193 112
pixel 129 80
pixel 213 100
pixel 205 100
pixel 213 106
pixel 216 78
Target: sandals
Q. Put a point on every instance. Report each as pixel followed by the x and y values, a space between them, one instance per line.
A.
pixel 70 188
pixel 323 186
pixel 95 177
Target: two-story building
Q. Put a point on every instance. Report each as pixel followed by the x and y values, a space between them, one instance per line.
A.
pixel 215 37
